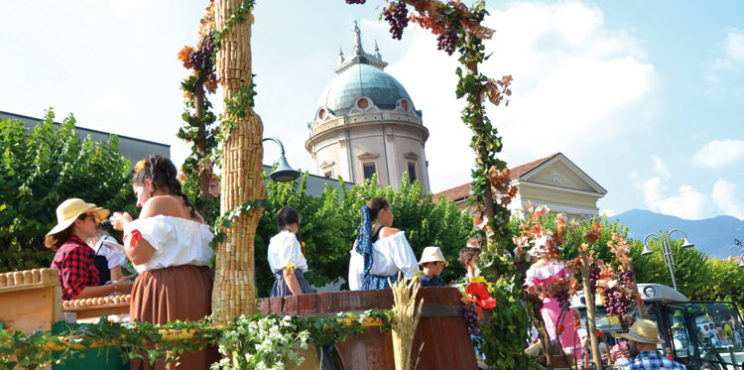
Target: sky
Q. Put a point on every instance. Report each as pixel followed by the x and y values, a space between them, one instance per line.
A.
pixel 647 97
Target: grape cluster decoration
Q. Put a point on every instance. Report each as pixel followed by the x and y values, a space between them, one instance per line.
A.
pixel 397 15
pixel 471 319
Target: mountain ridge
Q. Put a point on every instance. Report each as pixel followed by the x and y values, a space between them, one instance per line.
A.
pixel 713 236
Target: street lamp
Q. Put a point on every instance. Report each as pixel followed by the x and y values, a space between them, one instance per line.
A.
pixel 738 244
pixel 666 249
pixel 282 173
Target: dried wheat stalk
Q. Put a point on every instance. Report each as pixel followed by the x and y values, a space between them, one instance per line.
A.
pixel 405 320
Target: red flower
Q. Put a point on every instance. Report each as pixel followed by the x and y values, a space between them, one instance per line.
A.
pixel 479 291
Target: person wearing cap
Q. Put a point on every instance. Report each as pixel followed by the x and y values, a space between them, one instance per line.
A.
pixel 644 338
pixel 77 221
pixel 432 261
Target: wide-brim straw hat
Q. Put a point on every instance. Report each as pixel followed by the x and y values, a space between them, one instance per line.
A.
pixel 643 331
pixel 432 254
pixel 71 209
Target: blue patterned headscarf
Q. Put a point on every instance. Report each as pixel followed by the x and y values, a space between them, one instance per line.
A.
pixel 363 244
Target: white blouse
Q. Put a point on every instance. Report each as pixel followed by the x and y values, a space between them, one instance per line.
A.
pixel 283 249
pixel 113 257
pixel 177 241
pixel 389 255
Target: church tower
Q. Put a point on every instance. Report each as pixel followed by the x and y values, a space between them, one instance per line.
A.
pixel 366 124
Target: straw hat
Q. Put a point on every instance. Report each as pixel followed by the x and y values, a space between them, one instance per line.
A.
pixel 643 331
pixel 71 209
pixel 432 254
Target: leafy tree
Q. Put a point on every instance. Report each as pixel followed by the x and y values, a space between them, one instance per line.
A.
pixel 728 279
pixel 692 270
pixel 41 168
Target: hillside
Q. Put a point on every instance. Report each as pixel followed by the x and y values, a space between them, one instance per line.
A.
pixel 713 236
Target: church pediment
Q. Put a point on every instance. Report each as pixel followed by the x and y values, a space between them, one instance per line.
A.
pixel 560 172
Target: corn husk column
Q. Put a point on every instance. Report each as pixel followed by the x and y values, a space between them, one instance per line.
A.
pixel 405 320
pixel 234 289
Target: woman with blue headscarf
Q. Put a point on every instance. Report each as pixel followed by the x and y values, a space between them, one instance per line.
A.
pixel 380 251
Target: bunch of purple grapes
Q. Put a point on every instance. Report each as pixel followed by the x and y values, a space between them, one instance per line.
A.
pixel 563 298
pixel 471 319
pixel 594 274
pixel 397 15
pixel 616 302
pixel 356 1
pixel 627 278
pixel 201 59
pixel 447 41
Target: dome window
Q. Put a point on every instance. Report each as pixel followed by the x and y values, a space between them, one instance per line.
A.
pixel 321 114
pixel 362 103
pixel 404 104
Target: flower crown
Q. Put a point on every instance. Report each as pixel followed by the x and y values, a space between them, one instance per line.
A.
pixel 139 166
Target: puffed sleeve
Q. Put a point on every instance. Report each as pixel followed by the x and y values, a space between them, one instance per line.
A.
pixel 285 251
pixel 155 230
pixel 403 256
pixel 113 257
pixel 356 270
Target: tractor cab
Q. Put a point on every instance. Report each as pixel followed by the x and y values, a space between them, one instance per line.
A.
pixel 701 335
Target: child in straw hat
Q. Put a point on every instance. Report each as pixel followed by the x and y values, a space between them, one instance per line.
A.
pixel 77 221
pixel 433 262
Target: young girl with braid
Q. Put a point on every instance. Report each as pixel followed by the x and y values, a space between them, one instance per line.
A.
pixel 169 247
pixel 380 250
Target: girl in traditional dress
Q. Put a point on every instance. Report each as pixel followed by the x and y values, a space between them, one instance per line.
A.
pixel 286 256
pixel 380 251
pixel 559 321
pixel 169 247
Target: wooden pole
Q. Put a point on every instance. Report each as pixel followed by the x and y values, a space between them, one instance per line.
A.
pixel 234 287
pixel 590 310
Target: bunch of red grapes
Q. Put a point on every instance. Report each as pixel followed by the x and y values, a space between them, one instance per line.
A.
pixel 471 319
pixel 447 40
pixel 397 15
pixel 616 302
pixel 201 59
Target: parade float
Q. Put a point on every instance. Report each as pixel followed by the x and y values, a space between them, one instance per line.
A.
pixel 398 328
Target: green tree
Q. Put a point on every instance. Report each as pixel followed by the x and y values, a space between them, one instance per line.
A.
pixel 726 282
pixel 41 168
pixel 691 268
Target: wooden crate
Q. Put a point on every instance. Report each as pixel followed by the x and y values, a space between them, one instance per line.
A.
pixel 30 300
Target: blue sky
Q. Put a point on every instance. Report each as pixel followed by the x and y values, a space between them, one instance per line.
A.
pixel 646 97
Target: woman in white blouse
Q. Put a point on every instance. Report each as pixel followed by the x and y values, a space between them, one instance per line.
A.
pixel 169 247
pixel 380 251
pixel 287 257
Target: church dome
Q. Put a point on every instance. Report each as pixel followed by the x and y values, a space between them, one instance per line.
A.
pixel 362 80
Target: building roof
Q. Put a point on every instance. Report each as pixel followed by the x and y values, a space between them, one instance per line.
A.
pixel 360 75
pixel 461 192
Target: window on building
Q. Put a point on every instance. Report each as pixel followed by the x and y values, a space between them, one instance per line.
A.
pixel 328 174
pixel 369 170
pixel 411 172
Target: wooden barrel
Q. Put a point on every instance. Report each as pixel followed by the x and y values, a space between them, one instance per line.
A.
pixel 442 328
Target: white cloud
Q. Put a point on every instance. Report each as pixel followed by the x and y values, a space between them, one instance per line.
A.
pixel 660 166
pixel 718 153
pixel 687 203
pixel 724 197
pixel 607 212
pixel 728 65
pixel 734 45
pixel 572 76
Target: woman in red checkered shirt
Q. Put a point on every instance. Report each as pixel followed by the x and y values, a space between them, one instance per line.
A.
pixel 77 221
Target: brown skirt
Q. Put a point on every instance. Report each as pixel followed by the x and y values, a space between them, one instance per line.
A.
pixel 170 294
